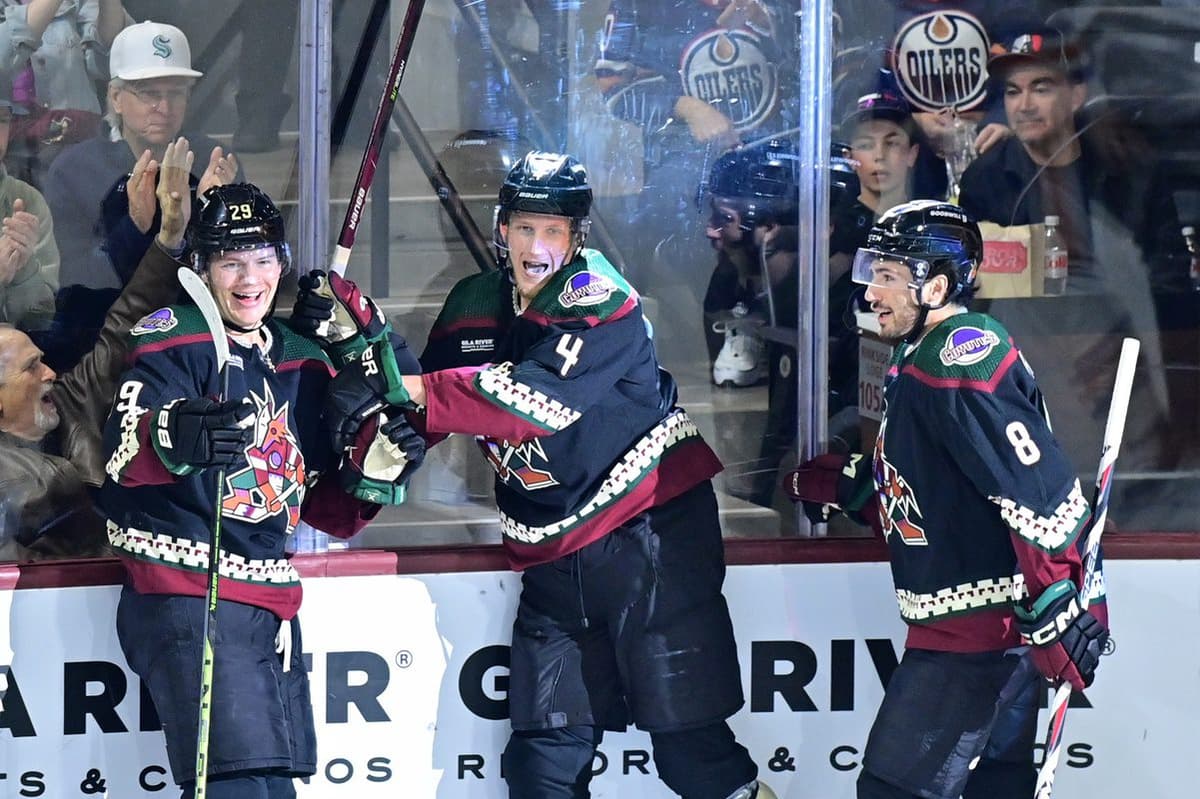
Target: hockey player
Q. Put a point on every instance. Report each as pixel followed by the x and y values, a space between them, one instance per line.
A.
pixel 605 499
pixel 162 439
pixel 982 514
pixel 753 195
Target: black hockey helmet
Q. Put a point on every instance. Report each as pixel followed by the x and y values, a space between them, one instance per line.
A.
pixel 546 183
pixel 760 181
pixel 236 216
pixel 931 238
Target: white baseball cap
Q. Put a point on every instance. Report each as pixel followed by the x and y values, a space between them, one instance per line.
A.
pixel 150 50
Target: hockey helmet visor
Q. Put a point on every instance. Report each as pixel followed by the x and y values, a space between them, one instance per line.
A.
pixel 887 270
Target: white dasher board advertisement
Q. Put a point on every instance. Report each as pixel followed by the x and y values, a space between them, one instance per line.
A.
pixel 409 676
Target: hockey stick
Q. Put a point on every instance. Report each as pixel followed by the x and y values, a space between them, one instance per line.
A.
pixel 1114 429
pixel 366 170
pixel 198 291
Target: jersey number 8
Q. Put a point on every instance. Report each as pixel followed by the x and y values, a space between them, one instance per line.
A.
pixel 1022 443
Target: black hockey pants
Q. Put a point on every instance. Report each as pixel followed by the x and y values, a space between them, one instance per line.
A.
pixel 704 763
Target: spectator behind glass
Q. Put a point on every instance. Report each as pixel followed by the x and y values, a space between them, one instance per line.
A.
pixel 267 33
pixel 881 133
pixel 50 447
pixel 1054 166
pixel 1121 229
pixel 104 228
pixel 663 66
pixel 56 50
pixel 28 253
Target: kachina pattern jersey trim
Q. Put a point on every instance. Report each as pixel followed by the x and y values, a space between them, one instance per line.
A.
pixel 530 404
pixel 639 461
pixel 186 553
pixel 1052 533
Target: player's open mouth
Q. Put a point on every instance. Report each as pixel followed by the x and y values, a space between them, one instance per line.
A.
pixel 248 299
pixel 536 268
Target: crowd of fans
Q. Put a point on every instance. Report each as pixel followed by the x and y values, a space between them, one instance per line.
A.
pixel 90 98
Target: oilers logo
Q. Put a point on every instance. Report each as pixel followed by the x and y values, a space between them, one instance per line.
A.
pixel 898 508
pixel 273 479
pixel 730 70
pixel 514 460
pixel 941 60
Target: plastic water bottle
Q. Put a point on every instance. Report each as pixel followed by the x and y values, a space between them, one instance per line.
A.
pixel 1189 236
pixel 1055 255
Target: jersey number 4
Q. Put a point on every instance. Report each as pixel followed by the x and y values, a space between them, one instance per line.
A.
pixel 568 347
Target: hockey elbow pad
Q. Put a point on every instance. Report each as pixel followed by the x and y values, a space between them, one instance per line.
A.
pixel 385 455
pixel 1067 640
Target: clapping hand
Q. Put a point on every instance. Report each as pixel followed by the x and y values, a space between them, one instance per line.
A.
pixel 17 241
pixel 221 170
pixel 173 193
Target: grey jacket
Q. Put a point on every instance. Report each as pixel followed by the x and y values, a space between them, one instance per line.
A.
pixel 28 299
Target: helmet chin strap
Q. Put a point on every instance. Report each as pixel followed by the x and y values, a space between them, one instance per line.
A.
pixel 918 327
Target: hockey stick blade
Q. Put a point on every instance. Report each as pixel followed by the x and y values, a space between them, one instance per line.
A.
pixel 197 289
pixel 1114 431
pixel 366 170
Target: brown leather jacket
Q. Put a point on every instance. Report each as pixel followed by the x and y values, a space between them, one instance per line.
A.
pixel 44 497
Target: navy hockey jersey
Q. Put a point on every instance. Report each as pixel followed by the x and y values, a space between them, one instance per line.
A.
pixel 745 70
pixel 161 523
pixel 567 402
pixel 977 501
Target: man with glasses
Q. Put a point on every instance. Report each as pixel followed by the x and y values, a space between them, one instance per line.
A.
pixel 101 191
pixel 983 516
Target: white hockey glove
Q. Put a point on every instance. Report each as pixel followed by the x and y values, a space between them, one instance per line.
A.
pixel 384 455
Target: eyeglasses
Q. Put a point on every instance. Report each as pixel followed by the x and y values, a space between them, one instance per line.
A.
pixel 153 97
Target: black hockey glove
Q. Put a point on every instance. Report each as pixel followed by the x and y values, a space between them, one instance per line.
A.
pixel 382 459
pixel 333 311
pixel 1067 641
pixel 364 387
pixel 190 434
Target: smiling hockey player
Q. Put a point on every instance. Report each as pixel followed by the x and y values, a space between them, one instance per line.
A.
pixel 605 500
pixel 166 440
pixel 982 513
